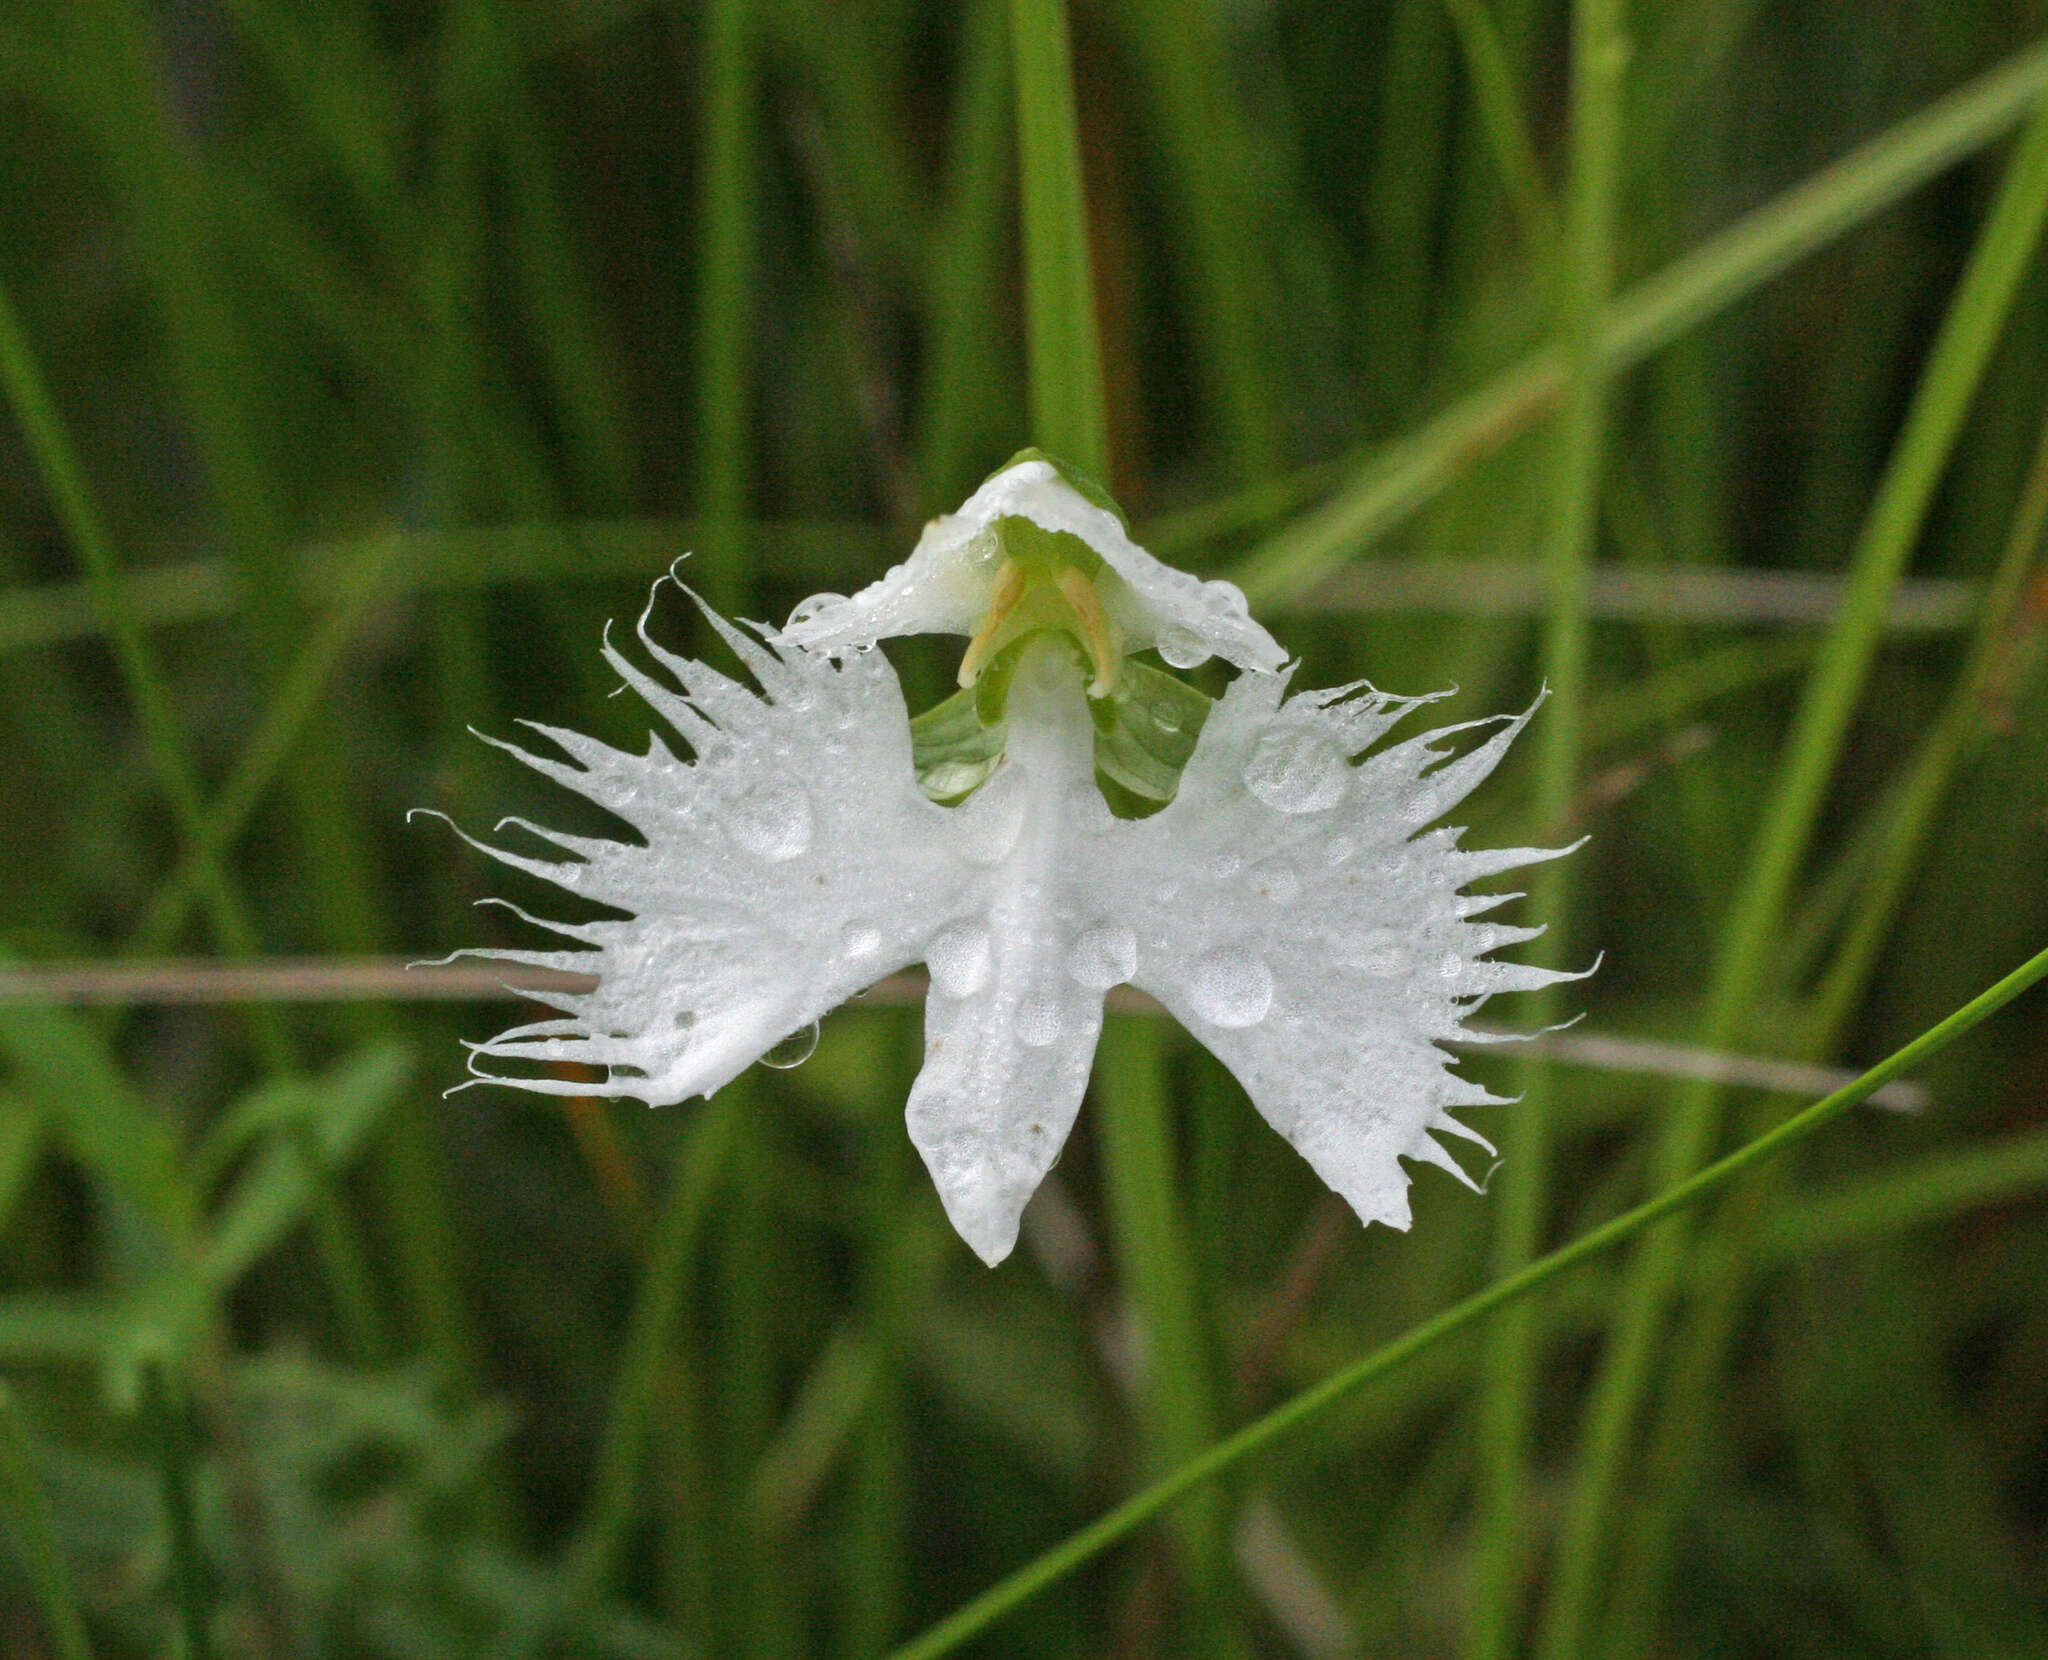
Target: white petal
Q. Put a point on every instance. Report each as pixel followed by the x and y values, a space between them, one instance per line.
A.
pixel 794 863
pixel 945 585
pixel 1290 918
pixel 1009 1032
pixel 1288 906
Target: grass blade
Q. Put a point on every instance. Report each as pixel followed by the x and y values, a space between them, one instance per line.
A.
pixel 1585 276
pixel 1976 316
pixel 1068 415
pixel 35 1535
pixel 1394 481
pixel 1099 1535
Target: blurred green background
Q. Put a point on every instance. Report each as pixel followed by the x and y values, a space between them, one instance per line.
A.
pixel 362 357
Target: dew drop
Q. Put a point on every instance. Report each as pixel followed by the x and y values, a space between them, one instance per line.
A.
pixel 809 608
pixel 1183 648
pixel 772 821
pixel 1226 864
pixel 959 959
pixel 987 824
pixel 1038 1020
pixel 1231 989
pixel 1105 955
pixel 860 938
pixel 1337 849
pixel 793 1050
pixel 1275 879
pixel 1451 965
pixel 1297 768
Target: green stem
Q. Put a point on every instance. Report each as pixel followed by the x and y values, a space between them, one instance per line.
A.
pixel 1942 398
pixel 1585 278
pixel 1090 1541
pixel 1068 414
pixel 36 411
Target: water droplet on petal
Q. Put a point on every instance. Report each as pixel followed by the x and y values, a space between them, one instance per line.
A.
pixel 1450 966
pixel 1275 879
pixel 959 959
pixel 1038 1020
pixel 1183 648
pixel 987 824
pixel 1226 864
pixel 1231 988
pixel 809 608
pixel 793 1050
pixel 1337 849
pixel 1105 955
pixel 1297 768
pixel 772 821
pixel 860 938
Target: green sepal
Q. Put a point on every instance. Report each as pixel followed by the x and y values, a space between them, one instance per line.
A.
pixel 954 749
pixel 1043 552
pixel 1082 484
pixel 1145 730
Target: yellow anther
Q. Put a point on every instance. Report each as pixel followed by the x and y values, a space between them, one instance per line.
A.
pixel 1087 606
pixel 1009 589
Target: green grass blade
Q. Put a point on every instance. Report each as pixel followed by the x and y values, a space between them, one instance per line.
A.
pixel 1064 351
pixel 1685 1406
pixel 1585 276
pixel 724 321
pixel 1963 723
pixel 1178 1405
pixel 666 1283
pixel 1218 231
pixel 1395 480
pixel 969 355
pixel 284 722
pixel 1404 190
pixel 166 1419
pixel 1090 1541
pixel 36 411
pixel 64 1065
pixel 1505 123
pixel 1975 318
pixel 1932 1189
pixel 34 1526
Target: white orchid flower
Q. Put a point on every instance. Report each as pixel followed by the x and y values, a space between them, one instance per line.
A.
pixel 1288 903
